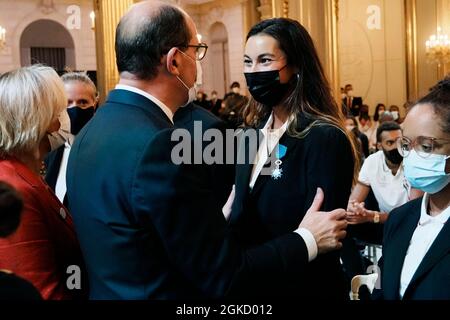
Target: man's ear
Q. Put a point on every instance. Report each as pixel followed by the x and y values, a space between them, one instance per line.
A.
pixel 172 62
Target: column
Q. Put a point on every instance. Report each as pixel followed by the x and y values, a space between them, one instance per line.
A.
pixel 107 16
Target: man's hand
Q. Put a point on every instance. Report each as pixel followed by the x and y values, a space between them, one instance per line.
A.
pixel 328 228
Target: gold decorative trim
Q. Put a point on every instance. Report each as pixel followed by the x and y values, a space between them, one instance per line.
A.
pixel 412 81
pixel 332 49
pixel 286 9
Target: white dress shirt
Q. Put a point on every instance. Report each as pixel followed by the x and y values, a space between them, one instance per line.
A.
pixel 391 191
pixel 163 107
pixel 61 188
pixel 426 232
pixel 266 146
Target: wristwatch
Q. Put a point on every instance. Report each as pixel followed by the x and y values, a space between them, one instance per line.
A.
pixel 376 217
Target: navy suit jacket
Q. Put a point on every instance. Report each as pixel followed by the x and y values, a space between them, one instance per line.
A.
pixel 221 174
pixel 150 229
pixel 431 280
pixel 323 158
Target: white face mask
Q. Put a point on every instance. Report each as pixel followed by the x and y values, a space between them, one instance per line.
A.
pixel 236 90
pixel 395 114
pixel 58 138
pixel 192 91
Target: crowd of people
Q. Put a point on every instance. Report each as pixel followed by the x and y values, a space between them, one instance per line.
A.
pixel 110 200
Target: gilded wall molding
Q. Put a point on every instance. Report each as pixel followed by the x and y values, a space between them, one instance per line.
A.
pixel 412 81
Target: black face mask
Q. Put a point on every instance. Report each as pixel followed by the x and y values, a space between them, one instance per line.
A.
pixel 265 87
pixel 393 156
pixel 79 117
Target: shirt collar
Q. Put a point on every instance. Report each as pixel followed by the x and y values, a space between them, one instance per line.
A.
pixel 277 132
pixel 426 218
pixel 163 107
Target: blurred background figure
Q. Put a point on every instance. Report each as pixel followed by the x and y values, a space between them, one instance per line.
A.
pixel 350 103
pixel 395 111
pixel 12 287
pixel 215 102
pixel 362 141
pixel 235 89
pixel 231 111
pixel 202 101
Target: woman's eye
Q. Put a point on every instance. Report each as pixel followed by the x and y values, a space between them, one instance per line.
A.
pixel 247 62
pixel 426 147
pixel 265 60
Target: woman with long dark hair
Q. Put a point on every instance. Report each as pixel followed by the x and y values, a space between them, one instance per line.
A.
pixel 304 133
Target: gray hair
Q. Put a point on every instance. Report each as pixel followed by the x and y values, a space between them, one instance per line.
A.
pixel 80 77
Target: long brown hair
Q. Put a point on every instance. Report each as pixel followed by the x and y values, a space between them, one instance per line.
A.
pixel 311 94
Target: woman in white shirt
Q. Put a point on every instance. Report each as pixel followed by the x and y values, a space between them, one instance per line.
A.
pixel 416 244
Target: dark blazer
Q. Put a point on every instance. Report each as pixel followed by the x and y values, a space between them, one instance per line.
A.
pixel 52 164
pixel 432 278
pixel 222 175
pixel 149 228
pixel 321 159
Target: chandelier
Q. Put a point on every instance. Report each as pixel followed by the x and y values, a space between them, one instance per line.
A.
pixel 438 48
pixel 2 37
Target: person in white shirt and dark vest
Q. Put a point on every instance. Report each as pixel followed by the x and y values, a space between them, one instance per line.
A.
pixel 82 102
pixel 303 128
pixel 416 245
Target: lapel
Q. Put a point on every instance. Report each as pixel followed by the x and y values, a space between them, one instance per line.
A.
pixel 243 173
pixel 53 163
pixel 395 255
pixel 439 248
pixel 290 143
pixel 46 197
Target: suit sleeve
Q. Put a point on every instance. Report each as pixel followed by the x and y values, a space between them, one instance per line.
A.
pixel 176 200
pixel 329 166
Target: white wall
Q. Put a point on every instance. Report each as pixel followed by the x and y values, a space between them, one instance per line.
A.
pixel 373 60
pixel 16 15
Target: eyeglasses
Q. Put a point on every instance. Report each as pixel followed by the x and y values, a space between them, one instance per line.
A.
pixel 200 50
pixel 424 146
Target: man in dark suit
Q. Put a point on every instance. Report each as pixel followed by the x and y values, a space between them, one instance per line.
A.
pixel 351 104
pixel 149 228
pixel 192 117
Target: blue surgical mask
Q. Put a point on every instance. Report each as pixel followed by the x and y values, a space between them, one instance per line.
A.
pixel 426 174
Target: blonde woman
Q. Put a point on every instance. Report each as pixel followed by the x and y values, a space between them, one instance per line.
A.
pixel 32 102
